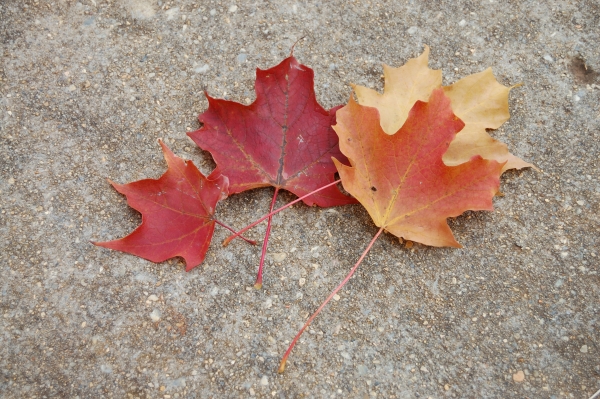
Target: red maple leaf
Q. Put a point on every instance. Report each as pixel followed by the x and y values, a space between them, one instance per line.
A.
pixel 177 213
pixel 283 139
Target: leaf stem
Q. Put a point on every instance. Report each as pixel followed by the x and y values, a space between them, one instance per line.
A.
pixel 339 287
pixel 233 231
pixel 258 284
pixel 233 236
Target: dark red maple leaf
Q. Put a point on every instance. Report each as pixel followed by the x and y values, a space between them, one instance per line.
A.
pixel 283 139
pixel 177 213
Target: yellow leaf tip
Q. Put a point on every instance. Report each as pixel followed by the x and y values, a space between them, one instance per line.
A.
pixel 281 368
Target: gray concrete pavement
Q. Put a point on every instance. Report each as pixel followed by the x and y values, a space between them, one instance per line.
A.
pixel 86 89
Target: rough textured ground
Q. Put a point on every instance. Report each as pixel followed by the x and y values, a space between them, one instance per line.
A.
pixel 86 89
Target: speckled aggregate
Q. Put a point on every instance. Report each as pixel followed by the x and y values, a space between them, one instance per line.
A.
pixel 86 89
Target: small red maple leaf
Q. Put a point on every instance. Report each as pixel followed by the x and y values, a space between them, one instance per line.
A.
pixel 177 213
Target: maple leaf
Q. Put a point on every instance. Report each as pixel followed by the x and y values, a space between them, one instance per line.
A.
pixel 478 100
pixel 283 139
pixel 177 213
pixel 401 179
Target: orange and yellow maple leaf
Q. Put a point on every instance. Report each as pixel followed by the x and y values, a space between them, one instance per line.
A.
pixel 401 179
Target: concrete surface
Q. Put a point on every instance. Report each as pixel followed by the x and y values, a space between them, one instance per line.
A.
pixel 86 89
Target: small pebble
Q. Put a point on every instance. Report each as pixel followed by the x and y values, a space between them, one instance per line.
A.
pixel 583 349
pixel 242 57
pixel 72 88
pixel 202 69
pixel 336 297
pixel 278 257
pixel 559 283
pixel 519 376
pixel 412 30
pixel 153 298
pixel 155 315
pixel 580 202
pixel 268 303
pixel 301 281
pixel 172 13
pixel 264 381
pixel 233 8
pixel 462 23
pixel 85 324
pixel 424 369
pixel 446 387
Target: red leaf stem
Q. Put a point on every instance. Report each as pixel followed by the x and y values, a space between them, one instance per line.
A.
pixel 240 232
pixel 339 287
pixel 258 284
